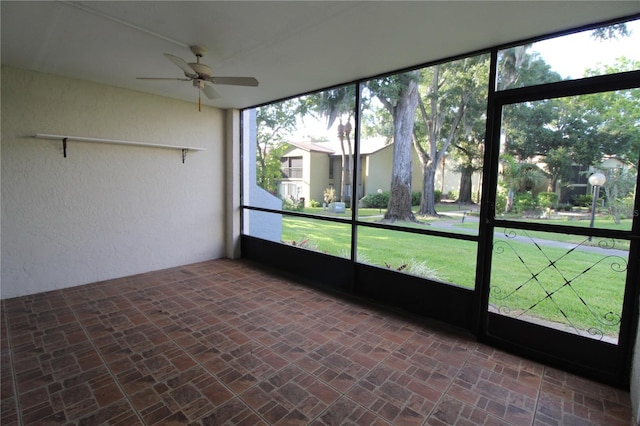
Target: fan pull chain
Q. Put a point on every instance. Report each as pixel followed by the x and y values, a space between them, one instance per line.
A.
pixel 199 103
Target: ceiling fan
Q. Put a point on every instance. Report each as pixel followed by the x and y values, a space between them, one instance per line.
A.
pixel 201 75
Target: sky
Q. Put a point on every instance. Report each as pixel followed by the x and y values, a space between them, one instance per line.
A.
pixel 571 55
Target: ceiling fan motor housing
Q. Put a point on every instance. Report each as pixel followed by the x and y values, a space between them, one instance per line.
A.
pixel 201 69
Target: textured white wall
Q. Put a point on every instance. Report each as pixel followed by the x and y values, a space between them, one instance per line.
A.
pixel 105 211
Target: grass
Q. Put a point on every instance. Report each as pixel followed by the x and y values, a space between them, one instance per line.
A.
pixel 385 247
pixel 585 286
pixel 547 283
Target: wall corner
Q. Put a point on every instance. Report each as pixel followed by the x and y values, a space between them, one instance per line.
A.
pixel 232 183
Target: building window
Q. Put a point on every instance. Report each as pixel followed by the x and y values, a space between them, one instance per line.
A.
pixel 291 167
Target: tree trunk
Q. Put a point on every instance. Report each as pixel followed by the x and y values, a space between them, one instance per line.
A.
pixel 399 208
pixel 465 189
pixel 510 196
pixel 428 201
pixel 611 194
pixel 343 173
pixel 351 170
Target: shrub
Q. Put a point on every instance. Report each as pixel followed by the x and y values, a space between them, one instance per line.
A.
pixel 292 205
pixel 564 207
pixel 381 200
pixel 314 203
pixel 416 197
pixel 329 195
pixel 375 201
pixel 415 267
pixel 624 208
pixel 304 243
pixel 582 200
pixel 524 202
pixel 548 199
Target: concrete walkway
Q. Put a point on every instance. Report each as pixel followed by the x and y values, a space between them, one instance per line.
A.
pixel 462 216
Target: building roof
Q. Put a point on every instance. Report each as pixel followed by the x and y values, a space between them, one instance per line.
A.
pixel 311 146
pixel 367 146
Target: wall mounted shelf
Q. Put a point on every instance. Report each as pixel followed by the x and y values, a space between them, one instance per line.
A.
pixel 65 138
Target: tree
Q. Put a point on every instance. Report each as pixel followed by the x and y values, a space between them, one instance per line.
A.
pixel 274 122
pixel 468 154
pixel 617 114
pixel 433 120
pixel 399 96
pixel 468 149
pixel 611 32
pixel 517 67
pixel 452 92
pixel 519 177
pixel 335 104
pixel 558 164
pixel 619 189
pixel 510 63
pixel 576 130
pixel 531 129
pixel 509 178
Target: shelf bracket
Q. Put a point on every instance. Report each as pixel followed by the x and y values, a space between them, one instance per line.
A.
pixel 184 154
pixel 64 147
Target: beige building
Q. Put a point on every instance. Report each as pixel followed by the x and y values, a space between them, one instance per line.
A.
pixel 308 168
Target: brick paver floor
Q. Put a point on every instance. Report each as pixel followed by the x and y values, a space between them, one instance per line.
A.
pixel 226 342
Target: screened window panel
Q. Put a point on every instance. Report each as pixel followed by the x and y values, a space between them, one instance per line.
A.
pixel 583 54
pixel 552 152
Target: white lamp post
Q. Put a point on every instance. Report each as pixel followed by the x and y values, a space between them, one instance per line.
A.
pixel 596 180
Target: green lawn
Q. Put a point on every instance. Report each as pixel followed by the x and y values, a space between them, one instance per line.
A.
pixel 586 286
pixel 548 283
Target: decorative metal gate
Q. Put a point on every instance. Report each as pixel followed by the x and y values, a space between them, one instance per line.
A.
pixel 559 282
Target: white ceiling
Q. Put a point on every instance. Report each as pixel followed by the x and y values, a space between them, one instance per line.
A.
pixel 291 47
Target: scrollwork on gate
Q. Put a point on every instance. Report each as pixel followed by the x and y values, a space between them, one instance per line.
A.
pixel 552 278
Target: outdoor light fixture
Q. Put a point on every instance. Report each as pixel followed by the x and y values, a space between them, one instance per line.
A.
pixel 596 180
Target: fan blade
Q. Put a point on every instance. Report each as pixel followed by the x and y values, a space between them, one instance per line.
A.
pixel 188 71
pixel 210 92
pixel 234 81
pixel 162 78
